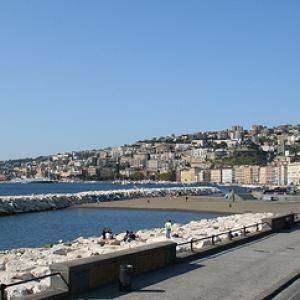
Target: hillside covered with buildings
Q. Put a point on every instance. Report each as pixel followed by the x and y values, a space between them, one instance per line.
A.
pixel 260 155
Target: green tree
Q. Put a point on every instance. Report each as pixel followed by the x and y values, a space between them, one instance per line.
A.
pixel 221 145
pixel 137 176
pixel 254 157
pixel 166 176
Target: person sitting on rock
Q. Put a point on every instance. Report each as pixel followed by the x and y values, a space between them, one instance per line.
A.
pixel 104 231
pixel 126 236
pixel 109 234
pixel 132 236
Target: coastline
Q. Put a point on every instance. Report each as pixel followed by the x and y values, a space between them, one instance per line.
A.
pixel 42 202
pixel 212 204
pixel 27 263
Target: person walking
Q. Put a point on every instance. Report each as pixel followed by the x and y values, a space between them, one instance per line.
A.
pixel 168 227
pixel 231 198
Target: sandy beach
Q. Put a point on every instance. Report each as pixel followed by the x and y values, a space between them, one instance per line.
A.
pixel 200 204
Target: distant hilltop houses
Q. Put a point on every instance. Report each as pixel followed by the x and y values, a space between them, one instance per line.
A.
pixel 260 155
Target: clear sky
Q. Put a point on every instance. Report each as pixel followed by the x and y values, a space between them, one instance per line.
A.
pixel 88 74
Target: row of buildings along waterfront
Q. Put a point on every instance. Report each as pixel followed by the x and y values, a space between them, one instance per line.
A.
pixel 276 175
pixel 259 155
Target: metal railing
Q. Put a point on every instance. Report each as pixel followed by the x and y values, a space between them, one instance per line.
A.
pixel 3 286
pixel 230 234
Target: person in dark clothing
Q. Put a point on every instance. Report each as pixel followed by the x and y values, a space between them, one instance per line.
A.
pixel 126 236
pixel 104 233
pixel 132 236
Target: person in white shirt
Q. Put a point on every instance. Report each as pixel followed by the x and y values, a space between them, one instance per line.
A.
pixel 109 235
pixel 168 227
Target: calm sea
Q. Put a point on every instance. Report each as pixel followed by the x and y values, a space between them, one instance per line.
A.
pixel 40 228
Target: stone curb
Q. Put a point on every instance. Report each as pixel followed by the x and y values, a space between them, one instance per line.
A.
pixel 280 286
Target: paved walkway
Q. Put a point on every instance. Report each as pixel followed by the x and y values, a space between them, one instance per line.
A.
pixel 240 273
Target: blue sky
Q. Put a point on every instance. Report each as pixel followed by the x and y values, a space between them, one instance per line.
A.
pixel 89 74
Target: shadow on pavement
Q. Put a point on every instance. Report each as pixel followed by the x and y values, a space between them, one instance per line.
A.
pixel 140 283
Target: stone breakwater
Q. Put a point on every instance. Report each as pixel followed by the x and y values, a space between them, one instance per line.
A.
pixel 33 203
pixel 22 264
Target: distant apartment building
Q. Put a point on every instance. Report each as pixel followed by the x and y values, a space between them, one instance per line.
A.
pixel 125 172
pixel 92 171
pixel 256 128
pixel 139 160
pixel 199 163
pixel 255 174
pixel 201 153
pixel 276 170
pixel 203 176
pixel 236 132
pixel 266 175
pixel 106 173
pixel 182 147
pixel 198 142
pixel 273 175
pixel 152 165
pixel 165 166
pixel 64 174
pixel 251 174
pixel 227 175
pixel 222 135
pixel 216 175
pixel 293 171
pixel 238 174
pixel 283 175
pixel 188 175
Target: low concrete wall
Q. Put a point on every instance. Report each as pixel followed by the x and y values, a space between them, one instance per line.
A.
pixel 281 222
pixel 84 274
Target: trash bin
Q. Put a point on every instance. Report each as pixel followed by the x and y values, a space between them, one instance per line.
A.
pixel 125 282
pixel 2 291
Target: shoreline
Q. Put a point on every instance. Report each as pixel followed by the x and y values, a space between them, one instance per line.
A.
pixel 171 209
pixel 34 203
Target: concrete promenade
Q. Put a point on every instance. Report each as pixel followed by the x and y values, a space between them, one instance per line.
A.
pixel 201 204
pixel 244 272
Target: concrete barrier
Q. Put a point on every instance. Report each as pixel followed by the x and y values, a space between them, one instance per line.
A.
pixel 280 222
pixel 84 274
